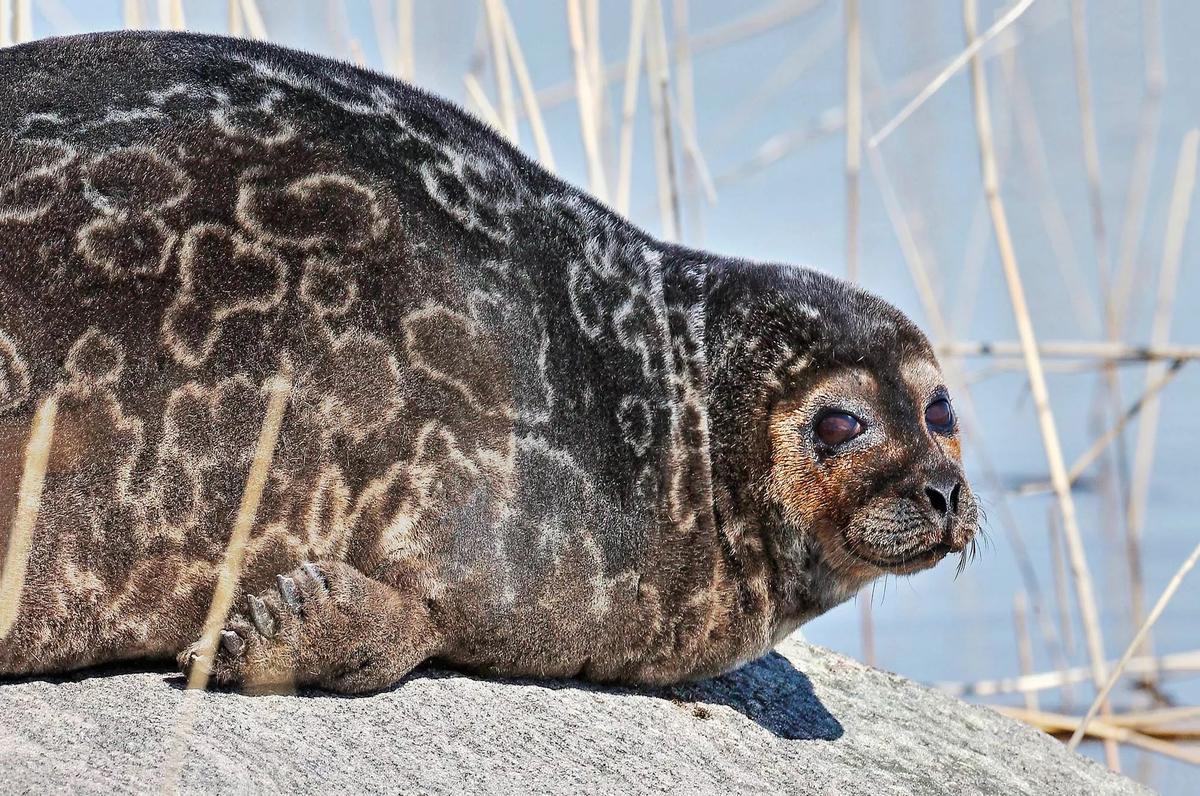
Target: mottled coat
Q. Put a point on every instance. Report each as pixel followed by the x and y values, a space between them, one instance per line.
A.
pixel 535 433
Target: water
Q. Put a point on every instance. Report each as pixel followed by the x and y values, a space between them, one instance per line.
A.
pixel 934 626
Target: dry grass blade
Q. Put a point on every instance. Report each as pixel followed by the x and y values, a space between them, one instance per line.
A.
pixel 1058 566
pixel 482 103
pixel 131 15
pixel 832 120
pixel 1116 673
pixel 1037 380
pixel 170 15
pixel 1177 222
pixel 1056 723
pixel 234 18
pixel 356 52
pixel 660 110
pixel 1091 158
pixel 1051 213
pixel 532 111
pixel 866 624
pixel 853 133
pixel 908 246
pixel 1149 118
pixel 781 145
pixel 23 21
pixel 595 62
pixel 919 272
pixel 1156 718
pixel 405 56
pixel 254 20
pixel 1024 646
pixel 24 520
pixel 633 67
pixel 1179 662
pixel 739 29
pixel 695 167
pixel 1072 349
pixel 381 23
pixel 589 125
pixel 279 389
pixel 768 19
pixel 691 148
pixel 959 61
pixel 1151 394
pixel 500 69
pixel 1088 457
pixel 807 52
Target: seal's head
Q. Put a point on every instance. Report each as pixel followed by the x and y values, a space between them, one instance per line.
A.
pixel 846 434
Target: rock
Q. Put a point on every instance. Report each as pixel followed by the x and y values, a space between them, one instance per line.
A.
pixel 801 720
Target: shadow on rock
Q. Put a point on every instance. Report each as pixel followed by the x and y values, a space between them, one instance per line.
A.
pixel 116 669
pixel 770 691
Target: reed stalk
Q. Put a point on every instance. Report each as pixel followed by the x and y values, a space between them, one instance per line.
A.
pixel 1177 222
pixel 1088 457
pixel 405 53
pixel 1183 663
pixel 254 20
pixel 974 45
pixel 25 513
pixel 1037 381
pixel 1055 723
pixel 233 15
pixel 633 68
pixel 1163 600
pixel 501 71
pixel 853 132
pixel 533 111
pixel 1024 646
pixel 588 123
pixel 660 112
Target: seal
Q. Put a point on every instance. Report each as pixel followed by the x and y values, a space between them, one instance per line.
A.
pixel 459 410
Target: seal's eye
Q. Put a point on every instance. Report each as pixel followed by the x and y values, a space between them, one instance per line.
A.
pixel 838 427
pixel 940 416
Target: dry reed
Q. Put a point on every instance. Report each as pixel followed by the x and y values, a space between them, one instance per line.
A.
pixel 1160 606
pixel 1037 380
pixel 1177 221
pixel 853 133
pixel 24 520
pixel 956 64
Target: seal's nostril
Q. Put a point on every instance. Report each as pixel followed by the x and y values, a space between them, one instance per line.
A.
pixel 936 499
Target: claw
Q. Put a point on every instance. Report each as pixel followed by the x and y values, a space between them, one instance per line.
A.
pixel 315 573
pixel 263 621
pixel 287 590
pixel 232 642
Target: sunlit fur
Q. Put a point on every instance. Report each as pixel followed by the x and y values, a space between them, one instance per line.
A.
pixel 863 509
pixel 523 436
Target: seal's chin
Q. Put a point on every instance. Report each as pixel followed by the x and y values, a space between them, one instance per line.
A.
pixel 908 564
pixel 893 535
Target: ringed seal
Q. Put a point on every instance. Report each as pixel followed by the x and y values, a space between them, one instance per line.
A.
pixel 512 432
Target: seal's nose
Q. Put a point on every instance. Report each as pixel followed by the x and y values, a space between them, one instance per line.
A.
pixel 943 495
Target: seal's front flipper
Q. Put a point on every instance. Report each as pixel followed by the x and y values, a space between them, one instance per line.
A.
pixel 325 625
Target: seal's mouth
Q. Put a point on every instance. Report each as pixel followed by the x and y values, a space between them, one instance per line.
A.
pixel 900 536
pixel 912 562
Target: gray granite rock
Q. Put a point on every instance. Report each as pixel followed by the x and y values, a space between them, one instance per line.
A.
pixel 803 720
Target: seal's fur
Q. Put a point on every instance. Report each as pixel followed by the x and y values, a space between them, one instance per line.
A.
pixel 522 436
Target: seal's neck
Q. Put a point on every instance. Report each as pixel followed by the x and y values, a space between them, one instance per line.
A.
pixel 750 347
